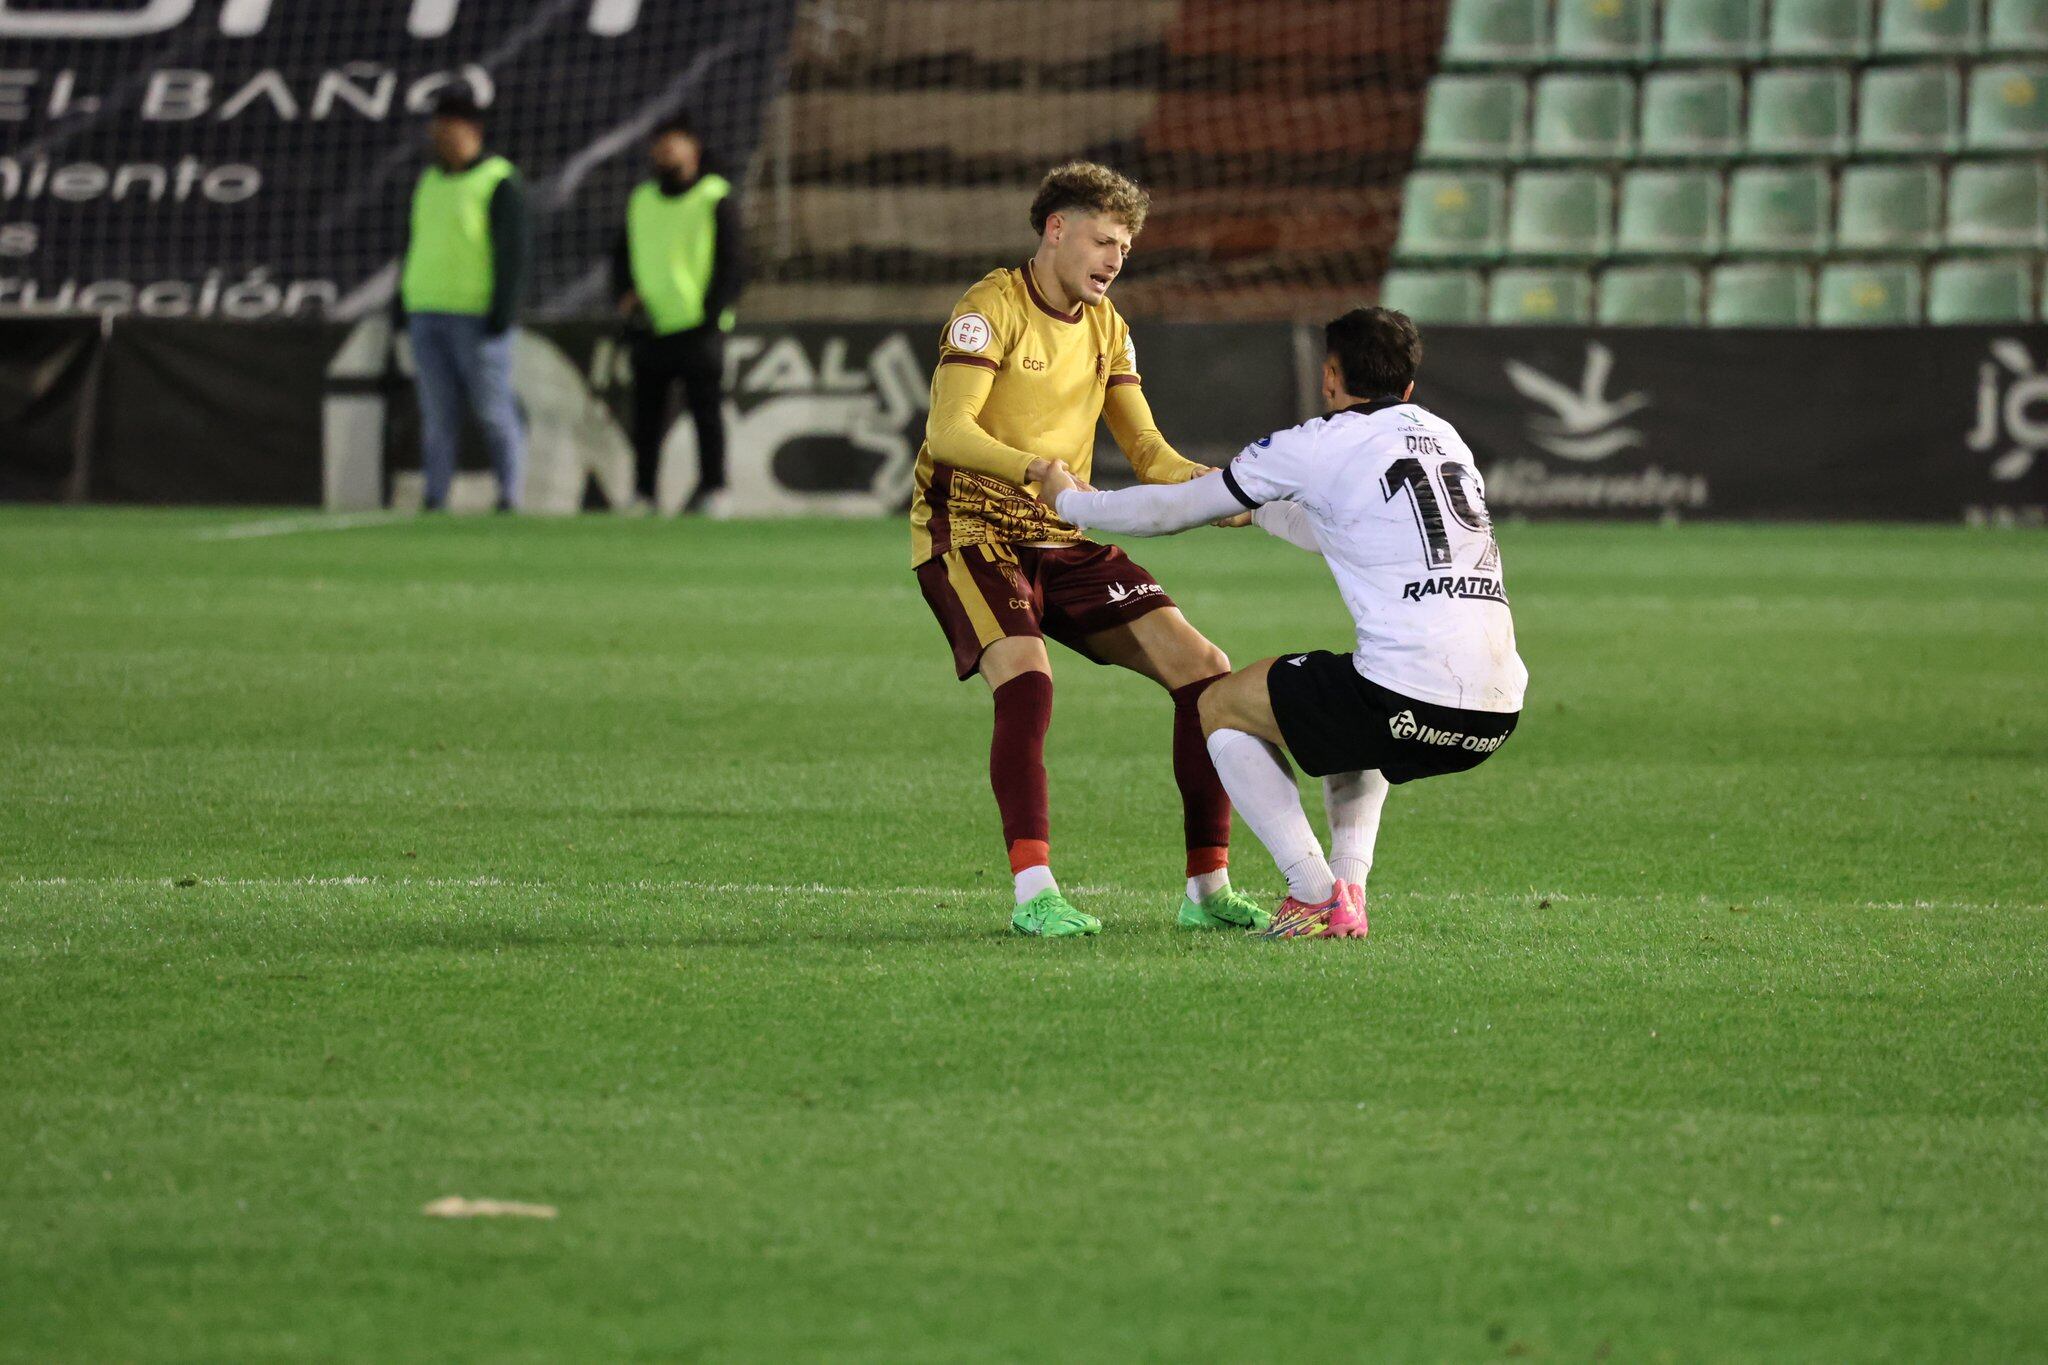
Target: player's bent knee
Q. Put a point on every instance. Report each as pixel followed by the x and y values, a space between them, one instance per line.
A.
pixel 1218 706
pixel 1012 657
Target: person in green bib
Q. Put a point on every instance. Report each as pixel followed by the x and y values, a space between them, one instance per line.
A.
pixel 467 257
pixel 676 272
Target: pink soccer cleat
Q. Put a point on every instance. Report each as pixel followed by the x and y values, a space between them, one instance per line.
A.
pixel 1295 920
pixel 1348 919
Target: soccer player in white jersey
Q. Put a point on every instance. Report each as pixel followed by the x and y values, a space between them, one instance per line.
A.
pixel 1387 493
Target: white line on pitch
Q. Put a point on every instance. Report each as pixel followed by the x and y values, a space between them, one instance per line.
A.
pixel 290 526
pixel 1768 903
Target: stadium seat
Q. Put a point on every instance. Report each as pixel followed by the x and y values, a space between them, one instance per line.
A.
pixel 1435 295
pixel 1649 296
pixel 2008 107
pixel 1760 294
pixel 1602 31
pixel 1561 214
pixel 1450 215
pixel 1691 116
pixel 2017 26
pixel 1778 210
pixel 1998 204
pixel 1915 28
pixel 1981 291
pixel 1536 295
pixel 1826 29
pixel 1800 111
pixel 1869 294
pixel 1475 118
pixel 1909 110
pixel 1889 208
pixel 1583 118
pixel 1669 213
pixel 1712 31
pixel 1496 33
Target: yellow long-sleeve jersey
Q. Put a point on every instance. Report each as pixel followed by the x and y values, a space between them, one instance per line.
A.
pixel 1015 382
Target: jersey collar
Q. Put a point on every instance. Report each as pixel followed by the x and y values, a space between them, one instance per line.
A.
pixel 1377 405
pixel 1031 288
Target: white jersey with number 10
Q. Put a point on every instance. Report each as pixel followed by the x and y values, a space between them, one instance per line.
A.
pixel 1389 495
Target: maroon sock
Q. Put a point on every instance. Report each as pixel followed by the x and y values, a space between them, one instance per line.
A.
pixel 1016 766
pixel 1205 806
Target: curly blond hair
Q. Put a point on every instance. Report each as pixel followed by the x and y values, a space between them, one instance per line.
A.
pixel 1093 189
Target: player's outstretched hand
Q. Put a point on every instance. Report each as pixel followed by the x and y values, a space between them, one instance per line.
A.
pixel 1054 480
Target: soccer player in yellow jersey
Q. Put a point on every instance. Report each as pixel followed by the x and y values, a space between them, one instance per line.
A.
pixel 1032 357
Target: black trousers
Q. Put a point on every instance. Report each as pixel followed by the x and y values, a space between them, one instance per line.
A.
pixel 696 358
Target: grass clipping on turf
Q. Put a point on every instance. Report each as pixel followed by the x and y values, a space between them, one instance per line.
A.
pixel 455 1206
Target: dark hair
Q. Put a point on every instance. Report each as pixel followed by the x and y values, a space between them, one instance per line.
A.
pixel 1377 349
pixel 674 123
pixel 458 103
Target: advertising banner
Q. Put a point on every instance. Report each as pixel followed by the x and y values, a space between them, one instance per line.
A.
pixel 821 419
pixel 253 159
pixel 1905 424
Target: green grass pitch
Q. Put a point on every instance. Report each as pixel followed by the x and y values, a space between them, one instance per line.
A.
pixel 649 870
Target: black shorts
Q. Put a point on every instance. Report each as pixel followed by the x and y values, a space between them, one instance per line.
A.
pixel 1335 721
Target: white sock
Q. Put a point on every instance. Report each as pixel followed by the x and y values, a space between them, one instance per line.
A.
pixel 1033 880
pixel 1203 885
pixel 1261 787
pixel 1353 802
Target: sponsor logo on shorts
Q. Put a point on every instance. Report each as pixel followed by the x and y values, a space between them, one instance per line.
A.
pixel 1298 660
pixel 1403 725
pixel 1469 585
pixel 1119 593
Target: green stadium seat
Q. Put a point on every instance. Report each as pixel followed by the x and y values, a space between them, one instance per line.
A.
pixel 1691 116
pixel 1910 110
pixel 1538 295
pixel 1561 214
pixel 1981 291
pixel 1583 118
pixel 1869 294
pixel 1712 31
pixel 1475 118
pixel 2017 26
pixel 1649 296
pixel 1602 31
pixel 1838 30
pixel 1917 28
pixel 1889 208
pixel 1669 213
pixel 1800 111
pixel 1450 215
pixel 1778 210
pixel 1760 294
pixel 1497 33
pixel 1435 295
pixel 1998 204
pixel 2008 107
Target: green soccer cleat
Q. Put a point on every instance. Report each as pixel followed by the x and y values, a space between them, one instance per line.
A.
pixel 1047 915
pixel 1225 909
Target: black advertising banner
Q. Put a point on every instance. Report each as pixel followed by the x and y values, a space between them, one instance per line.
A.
pixel 253 159
pixel 1923 423
pixel 46 406
pixel 821 419
pixel 203 412
pixel 47 370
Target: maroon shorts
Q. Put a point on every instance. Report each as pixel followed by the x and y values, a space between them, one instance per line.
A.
pixel 983 593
